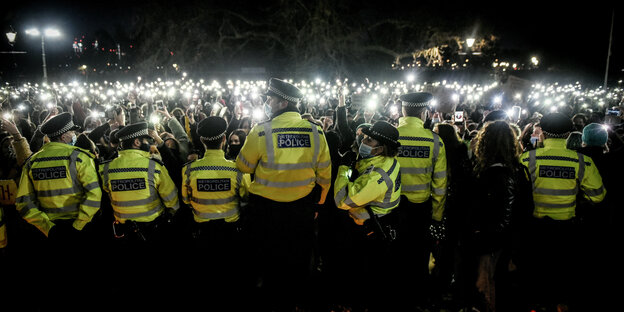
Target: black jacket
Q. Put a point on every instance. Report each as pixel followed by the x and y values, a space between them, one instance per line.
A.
pixel 502 205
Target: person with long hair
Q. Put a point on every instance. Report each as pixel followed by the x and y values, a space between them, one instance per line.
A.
pixel 501 201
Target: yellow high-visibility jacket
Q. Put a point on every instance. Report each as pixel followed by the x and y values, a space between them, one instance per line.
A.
pixel 3 232
pixel 378 185
pixel 59 182
pixel 214 187
pixel 139 187
pixel 558 174
pixel 423 165
pixel 288 155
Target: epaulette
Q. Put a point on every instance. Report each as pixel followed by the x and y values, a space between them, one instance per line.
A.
pixel 157 160
pixel 106 161
pixel 89 154
pixel 27 160
pixel 368 169
pixel 188 163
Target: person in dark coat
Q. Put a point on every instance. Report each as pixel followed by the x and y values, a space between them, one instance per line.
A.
pixel 501 205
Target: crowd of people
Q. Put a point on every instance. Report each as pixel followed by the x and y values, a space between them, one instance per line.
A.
pixel 319 195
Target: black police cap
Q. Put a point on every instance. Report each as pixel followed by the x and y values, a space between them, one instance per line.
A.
pixel 416 99
pixel 383 132
pixel 284 90
pixel 58 125
pixel 133 131
pixel 556 125
pixel 212 128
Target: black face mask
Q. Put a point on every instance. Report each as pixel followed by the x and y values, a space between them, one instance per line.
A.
pixel 233 150
pixel 144 147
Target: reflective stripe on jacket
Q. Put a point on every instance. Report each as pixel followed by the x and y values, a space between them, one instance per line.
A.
pixel 139 187
pixel 556 173
pixel 288 156
pixel 423 165
pixel 214 187
pixel 59 182
pixel 378 185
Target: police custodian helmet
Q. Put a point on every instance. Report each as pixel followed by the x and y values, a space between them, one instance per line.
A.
pixel 212 128
pixel 284 90
pixel 58 125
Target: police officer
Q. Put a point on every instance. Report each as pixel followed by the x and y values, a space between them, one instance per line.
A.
pixel 141 192
pixel 422 156
pixel 215 190
pixel 59 192
pixel 370 199
pixel 290 161
pixel 561 179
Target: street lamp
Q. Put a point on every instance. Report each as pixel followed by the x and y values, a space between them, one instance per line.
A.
pixel 47 33
pixel 470 42
pixel 11 36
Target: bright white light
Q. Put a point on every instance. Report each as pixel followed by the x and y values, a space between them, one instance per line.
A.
pixel 498 99
pixel 455 97
pixel 394 109
pixel 534 61
pixel 51 32
pixel 470 42
pixel 155 119
pixel 33 32
pixel 258 114
pixel 411 77
pixel 7 116
pixel 371 105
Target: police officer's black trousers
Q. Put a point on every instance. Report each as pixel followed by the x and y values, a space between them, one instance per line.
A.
pixel 414 248
pixel 218 257
pixel 282 235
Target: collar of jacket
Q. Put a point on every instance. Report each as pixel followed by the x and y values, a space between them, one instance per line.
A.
pixel 287 115
pixel 376 161
pixel 134 152
pixel 407 120
pixel 214 153
pixel 288 109
pixel 59 145
pixel 555 143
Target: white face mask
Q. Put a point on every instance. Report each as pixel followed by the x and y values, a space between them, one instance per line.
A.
pixel 267 109
pixel 73 141
pixel 366 150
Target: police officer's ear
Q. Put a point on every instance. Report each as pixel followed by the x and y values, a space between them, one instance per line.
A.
pixel 136 143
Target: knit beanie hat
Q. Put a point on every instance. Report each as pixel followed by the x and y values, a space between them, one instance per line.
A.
pixel 595 134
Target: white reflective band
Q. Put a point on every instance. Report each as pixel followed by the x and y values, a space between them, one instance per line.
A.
pixel 284 184
pixel 216 215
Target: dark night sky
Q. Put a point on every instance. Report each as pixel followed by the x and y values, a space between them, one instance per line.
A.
pixel 564 35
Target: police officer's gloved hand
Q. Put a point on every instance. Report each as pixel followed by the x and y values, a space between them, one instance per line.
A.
pixel 168 215
pixel 348 159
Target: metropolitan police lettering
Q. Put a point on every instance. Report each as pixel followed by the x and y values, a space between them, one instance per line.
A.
pixel 213 185
pixel 49 173
pixel 127 185
pixel 414 151
pixel 288 140
pixel 557 172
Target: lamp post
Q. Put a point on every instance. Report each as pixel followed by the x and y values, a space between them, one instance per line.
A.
pixel 11 36
pixel 47 33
